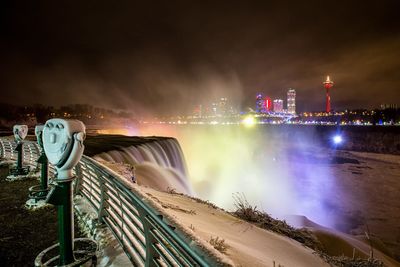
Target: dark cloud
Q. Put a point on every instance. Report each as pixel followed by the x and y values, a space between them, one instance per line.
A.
pixel 165 56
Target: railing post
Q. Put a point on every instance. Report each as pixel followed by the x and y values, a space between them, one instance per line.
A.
pixel 79 178
pixel 151 253
pixel 103 200
pixel 1 149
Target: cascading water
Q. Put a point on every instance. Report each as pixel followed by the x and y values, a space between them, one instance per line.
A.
pixel 159 164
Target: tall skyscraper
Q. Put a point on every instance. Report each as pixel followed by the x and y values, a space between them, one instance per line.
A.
pixel 214 109
pixel 260 104
pixel 291 101
pixel 278 105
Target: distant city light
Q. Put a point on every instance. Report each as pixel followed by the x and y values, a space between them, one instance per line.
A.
pixel 249 121
pixel 337 139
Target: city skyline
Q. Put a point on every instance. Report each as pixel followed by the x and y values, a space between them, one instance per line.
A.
pixel 156 58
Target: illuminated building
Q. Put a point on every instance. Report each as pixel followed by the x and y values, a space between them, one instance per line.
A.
pixel 278 105
pixel 260 104
pixel 291 101
pixel 213 109
pixel 198 110
pixel 268 104
pixel 222 106
pixel 388 106
pixel 328 85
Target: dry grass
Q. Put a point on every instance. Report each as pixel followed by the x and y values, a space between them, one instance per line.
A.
pixel 198 200
pixel 251 214
pixel 263 220
pixel 343 261
pixel 219 244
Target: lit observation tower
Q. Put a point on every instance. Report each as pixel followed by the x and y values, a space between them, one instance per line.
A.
pixel 328 85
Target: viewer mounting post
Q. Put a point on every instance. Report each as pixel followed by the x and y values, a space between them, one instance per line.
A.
pixel 42 159
pixel 63 146
pixel 38 193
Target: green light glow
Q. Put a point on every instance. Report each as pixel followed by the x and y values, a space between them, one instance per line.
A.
pixel 249 121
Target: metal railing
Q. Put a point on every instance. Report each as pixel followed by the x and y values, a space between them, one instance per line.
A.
pixel 146 238
pixel 31 151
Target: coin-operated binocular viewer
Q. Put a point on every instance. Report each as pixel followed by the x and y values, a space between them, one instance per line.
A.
pixel 38 193
pixel 63 146
pixel 20 132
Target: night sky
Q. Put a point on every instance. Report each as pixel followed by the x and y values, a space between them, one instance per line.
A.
pixel 165 56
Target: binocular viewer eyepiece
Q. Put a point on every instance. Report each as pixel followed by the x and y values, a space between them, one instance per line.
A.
pixel 63 144
pixel 20 132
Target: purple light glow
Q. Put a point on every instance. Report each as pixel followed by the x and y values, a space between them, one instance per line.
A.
pixel 337 139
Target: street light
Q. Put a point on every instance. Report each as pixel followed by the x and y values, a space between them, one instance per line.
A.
pixel 337 139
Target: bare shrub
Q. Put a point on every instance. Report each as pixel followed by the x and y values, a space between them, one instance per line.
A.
pixel 263 220
pixel 219 244
pixel 343 261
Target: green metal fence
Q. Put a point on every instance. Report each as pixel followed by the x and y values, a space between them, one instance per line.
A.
pixel 146 238
pixel 31 151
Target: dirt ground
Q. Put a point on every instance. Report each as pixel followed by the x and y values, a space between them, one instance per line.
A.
pixel 23 234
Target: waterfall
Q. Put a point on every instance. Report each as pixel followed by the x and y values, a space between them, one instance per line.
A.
pixel 159 164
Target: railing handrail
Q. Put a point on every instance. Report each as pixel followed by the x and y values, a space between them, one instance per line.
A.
pixel 123 210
